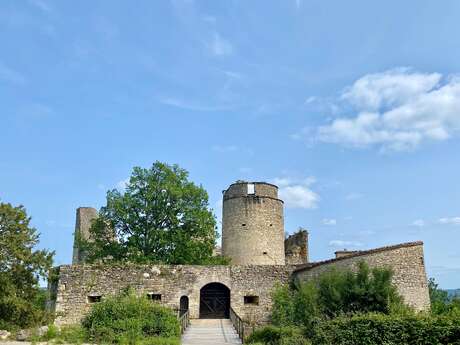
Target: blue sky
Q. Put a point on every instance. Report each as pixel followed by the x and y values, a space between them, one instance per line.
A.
pixel 352 107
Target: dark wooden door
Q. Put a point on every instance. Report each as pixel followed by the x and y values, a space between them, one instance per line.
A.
pixel 214 301
pixel 183 308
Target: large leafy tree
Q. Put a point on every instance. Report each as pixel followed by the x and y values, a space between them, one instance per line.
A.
pixel 21 267
pixel 160 217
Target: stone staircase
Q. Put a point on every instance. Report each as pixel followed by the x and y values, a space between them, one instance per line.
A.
pixel 210 332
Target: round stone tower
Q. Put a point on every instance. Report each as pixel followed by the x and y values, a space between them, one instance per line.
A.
pixel 253 224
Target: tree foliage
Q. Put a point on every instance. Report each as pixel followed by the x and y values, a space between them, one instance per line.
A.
pixel 21 267
pixel 367 290
pixel 441 304
pixel 332 294
pixel 160 217
pixel 129 319
pixel 374 328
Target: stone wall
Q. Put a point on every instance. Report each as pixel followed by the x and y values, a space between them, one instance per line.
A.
pixel 79 284
pixel 84 218
pixel 406 260
pixel 253 225
pixel 296 248
pixel 342 253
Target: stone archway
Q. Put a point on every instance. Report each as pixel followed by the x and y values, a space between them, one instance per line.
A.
pixel 214 301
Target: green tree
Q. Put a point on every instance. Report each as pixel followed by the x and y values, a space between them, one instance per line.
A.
pixel 21 267
pixel 366 290
pixel 160 217
pixel 334 293
pixel 440 301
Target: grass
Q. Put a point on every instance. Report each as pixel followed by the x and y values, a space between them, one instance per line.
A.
pixel 77 335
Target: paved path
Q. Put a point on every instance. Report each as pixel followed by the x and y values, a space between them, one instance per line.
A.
pixel 210 332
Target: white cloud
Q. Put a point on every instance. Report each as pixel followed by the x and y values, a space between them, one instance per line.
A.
pixel 121 185
pixel 297 193
pixel 389 89
pixel 343 244
pixel 445 270
pixel 419 223
pixel 327 221
pixel 10 75
pixel 450 221
pixel 220 46
pixel 397 110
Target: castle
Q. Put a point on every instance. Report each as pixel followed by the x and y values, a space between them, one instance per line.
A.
pixel 253 237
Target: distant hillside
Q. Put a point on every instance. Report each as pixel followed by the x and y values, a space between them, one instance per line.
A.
pixel 453 292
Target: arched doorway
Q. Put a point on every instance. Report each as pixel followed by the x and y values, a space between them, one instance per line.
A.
pixel 183 305
pixel 214 301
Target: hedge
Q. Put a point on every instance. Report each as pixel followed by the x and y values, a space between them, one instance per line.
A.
pixel 130 319
pixel 373 329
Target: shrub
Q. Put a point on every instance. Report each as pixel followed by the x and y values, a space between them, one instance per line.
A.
pixel 441 304
pixel 283 306
pixel 271 335
pixel 51 333
pixel 307 310
pixel 160 341
pixel 71 335
pixel 347 292
pixel 388 330
pixel 127 319
pixel 336 293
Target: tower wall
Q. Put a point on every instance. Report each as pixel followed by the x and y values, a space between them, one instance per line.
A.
pixel 253 224
pixel 84 218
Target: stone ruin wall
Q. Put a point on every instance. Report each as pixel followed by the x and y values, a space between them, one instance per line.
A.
pixel 77 282
pixel 83 220
pixel 296 248
pixel 405 260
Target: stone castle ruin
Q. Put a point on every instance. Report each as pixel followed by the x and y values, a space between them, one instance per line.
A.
pixel 253 237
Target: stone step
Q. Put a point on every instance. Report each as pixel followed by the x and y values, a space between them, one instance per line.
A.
pixel 210 332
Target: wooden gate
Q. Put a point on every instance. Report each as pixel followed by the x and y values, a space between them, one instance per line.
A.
pixel 183 305
pixel 214 301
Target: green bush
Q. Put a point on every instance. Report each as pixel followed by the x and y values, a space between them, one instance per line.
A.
pixel 441 304
pixel 160 341
pixel 388 330
pixel 307 310
pixel 51 333
pixel 71 335
pixel 271 335
pixel 336 293
pixel 283 306
pixel 127 319
pixel 347 292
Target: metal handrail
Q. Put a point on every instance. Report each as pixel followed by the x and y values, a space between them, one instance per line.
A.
pixel 184 320
pixel 238 323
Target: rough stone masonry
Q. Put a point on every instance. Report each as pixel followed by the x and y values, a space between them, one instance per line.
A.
pixel 253 237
